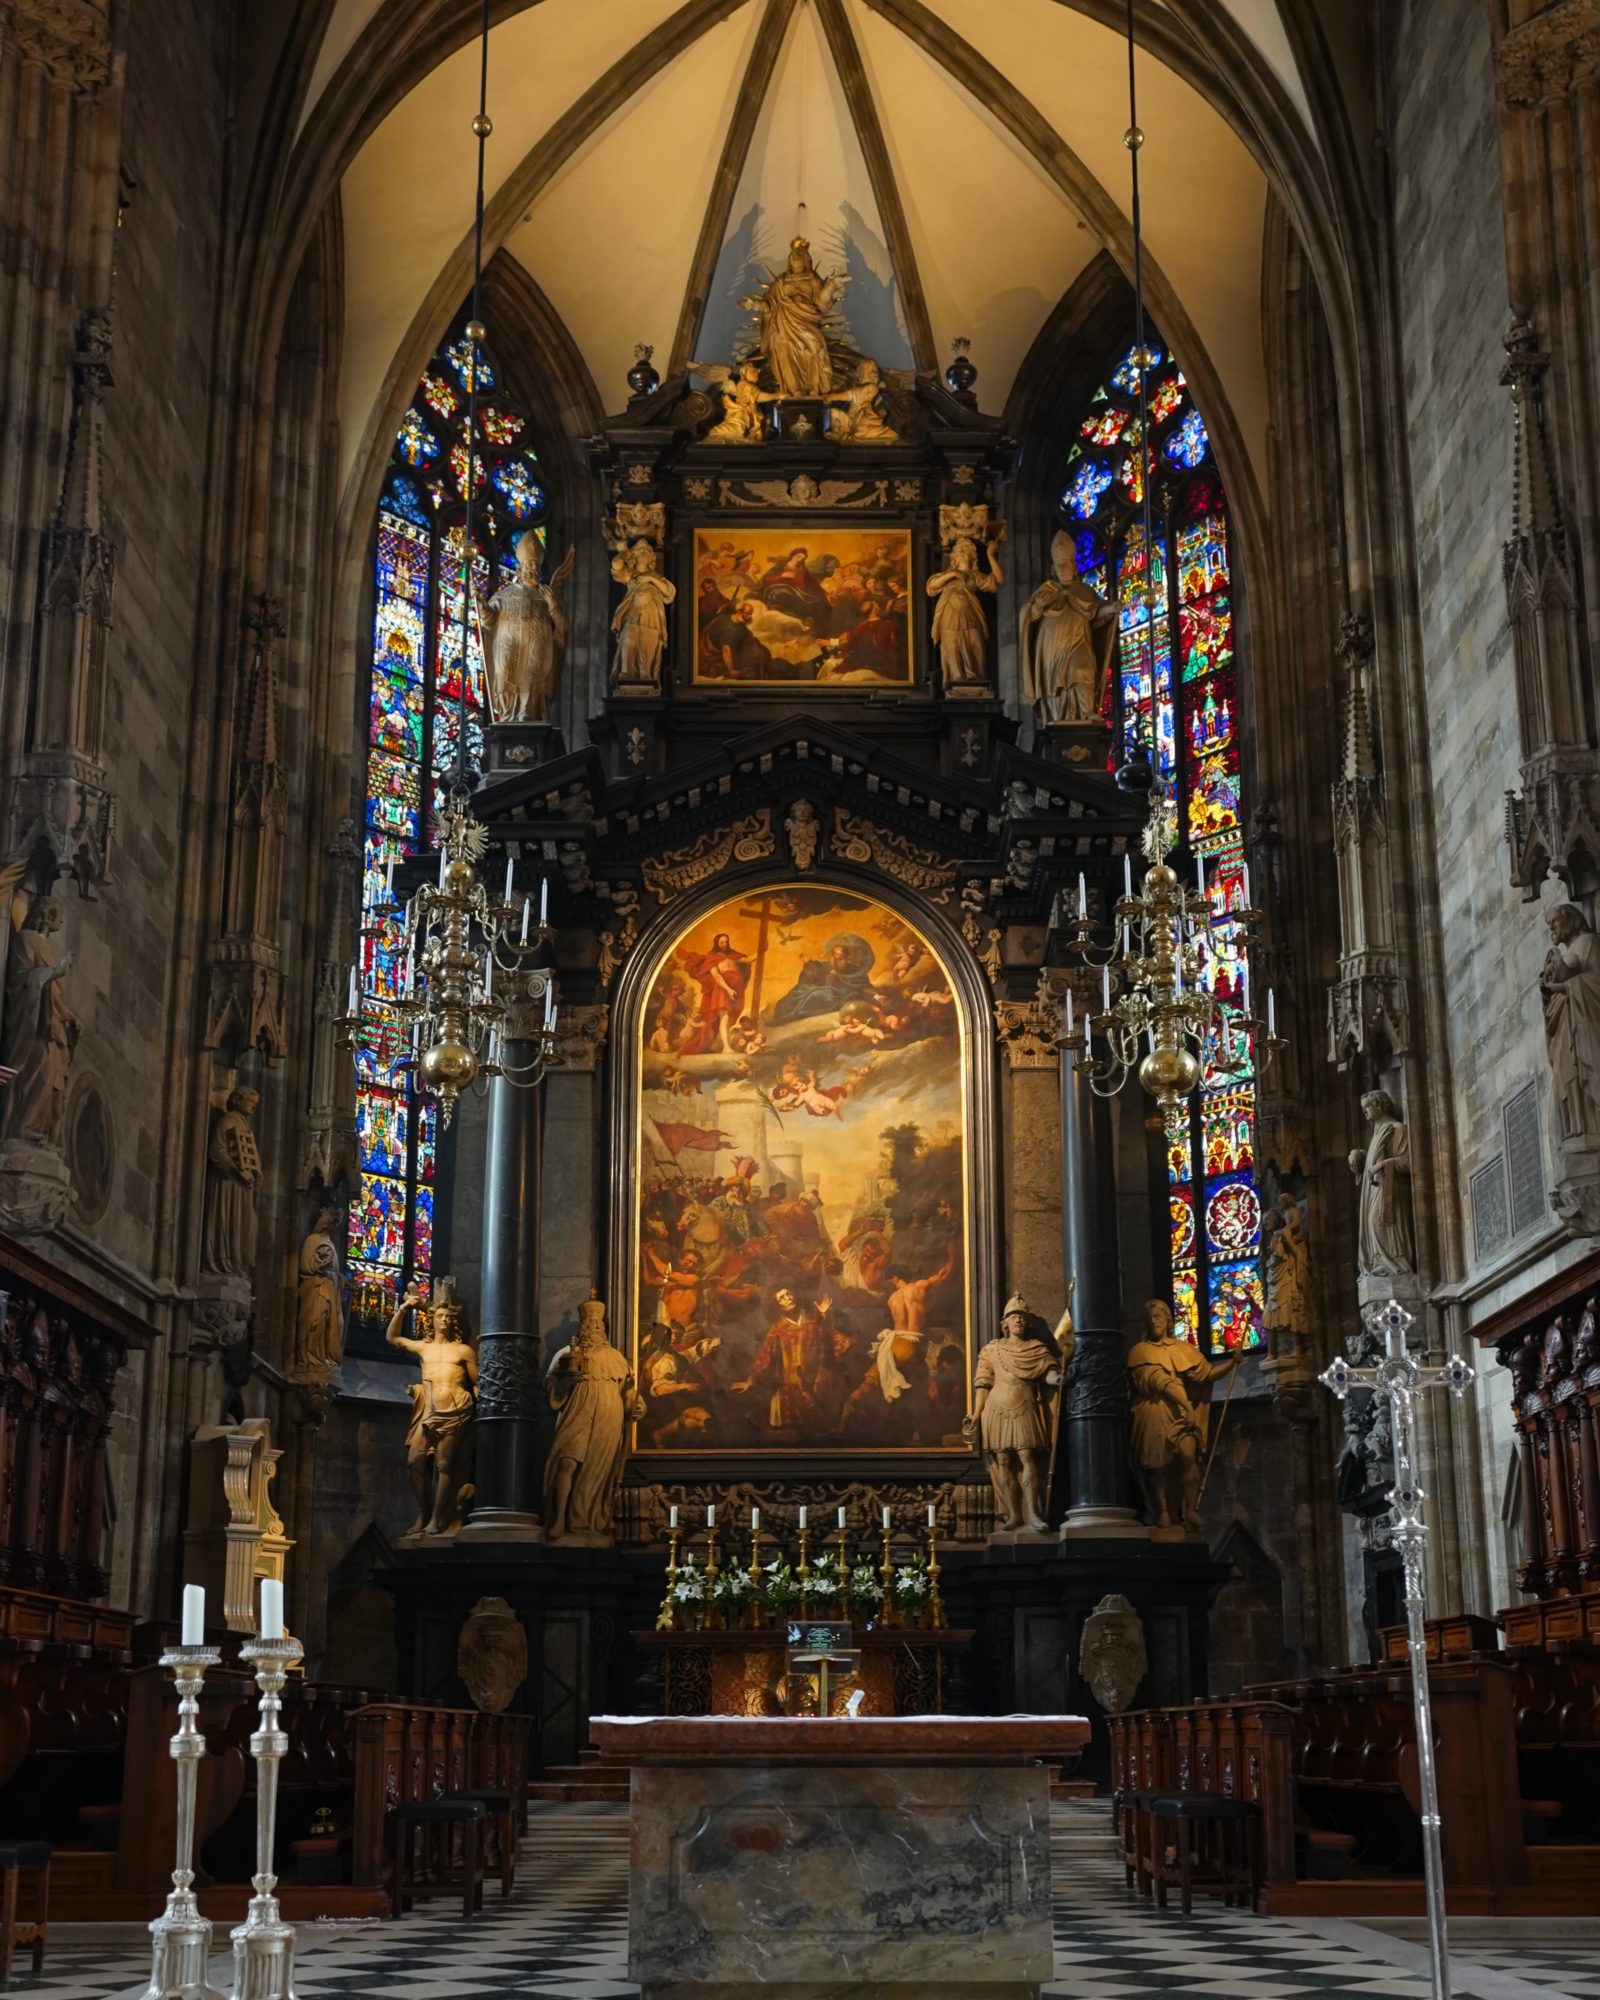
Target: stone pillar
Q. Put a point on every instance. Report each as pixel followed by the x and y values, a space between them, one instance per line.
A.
pixel 506 1467
pixel 1095 1413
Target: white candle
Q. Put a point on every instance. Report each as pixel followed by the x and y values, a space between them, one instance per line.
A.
pixel 544 899
pixel 550 1006
pixel 1072 1024
pixel 886 1519
pixel 1088 1035
pixel 1245 878
pixel 1244 985
pixel 511 869
pixel 1200 873
pixel 1272 1012
pixel 841 1517
pixel 388 878
pixel 271 1608
pixel 488 979
pixel 1105 989
pixel 1177 970
pixel 411 968
pixel 441 867
pixel 755 1519
pixel 711 1515
pixel 1127 938
pixel 527 912
pixel 672 1517
pixel 804 1510
pixel 354 1006
pixel 194 1615
pixel 1127 875
pixel 933 1514
pixel 1083 897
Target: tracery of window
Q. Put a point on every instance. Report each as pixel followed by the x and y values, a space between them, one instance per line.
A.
pixel 1175 614
pixel 413 712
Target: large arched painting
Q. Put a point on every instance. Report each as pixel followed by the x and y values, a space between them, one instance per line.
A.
pixel 802 1184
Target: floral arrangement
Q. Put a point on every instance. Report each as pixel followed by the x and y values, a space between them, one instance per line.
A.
pixel 911 1583
pixel 732 1586
pixel 864 1585
pixel 834 1585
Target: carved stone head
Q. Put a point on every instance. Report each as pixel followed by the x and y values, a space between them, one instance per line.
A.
pixel 1064 556
pixel 1158 1323
pixel 1111 1654
pixel 530 555
pixel 1565 921
pixel 492 1654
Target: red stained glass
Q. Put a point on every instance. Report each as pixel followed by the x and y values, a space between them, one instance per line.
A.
pixel 1107 427
pixel 1233 1219
pixel 1186 1304
pixel 373 1290
pixel 1205 635
pixel 1229 1127
pixel 439 396
pixel 1202 557
pixel 1180 1162
pixel 382 959
pixel 1165 398
pixel 1182 1227
pixel 1236 1306
pixel 394 796
pixel 500 426
pixel 458 468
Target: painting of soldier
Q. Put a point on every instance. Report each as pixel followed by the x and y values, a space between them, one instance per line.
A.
pixel 801 1210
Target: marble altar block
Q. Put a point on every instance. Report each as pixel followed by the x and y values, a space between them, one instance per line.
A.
pixel 884 1857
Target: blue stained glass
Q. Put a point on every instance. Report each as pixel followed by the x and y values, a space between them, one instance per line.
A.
pixel 378 1220
pixel 402 495
pixel 396 715
pixel 1236 1306
pixel 1126 374
pixel 1087 490
pixel 381 1134
pixel 1188 443
pixel 394 796
pixel 422 1217
pixel 461 357
pixel 522 492
pixel 415 443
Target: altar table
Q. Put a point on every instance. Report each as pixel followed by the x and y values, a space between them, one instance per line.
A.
pixel 805 1858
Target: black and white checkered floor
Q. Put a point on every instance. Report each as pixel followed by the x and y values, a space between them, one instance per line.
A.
pixel 564 1934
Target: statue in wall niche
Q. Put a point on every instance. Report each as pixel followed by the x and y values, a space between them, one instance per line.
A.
pixel 1286 1277
pixel 590 1386
pixel 795 311
pixel 641 618
pixel 525 637
pixel 1011 1421
pixel 1112 1661
pixel 1569 984
pixel 229 1245
pixel 1065 636
pixel 492 1655
pixel 960 623
pixel 443 1405
pixel 1386 1239
pixel 319 1302
pixel 41 1030
pixel 1170 1381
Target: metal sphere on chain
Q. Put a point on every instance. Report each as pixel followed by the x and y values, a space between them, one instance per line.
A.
pixel 447 1068
pixel 1169 1074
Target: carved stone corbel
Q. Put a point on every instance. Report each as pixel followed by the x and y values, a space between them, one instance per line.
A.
pixel 1028 1032
pixel 69 39
pixel 580 1036
pixel 1540 60
pixel 1367 1004
pixel 1551 824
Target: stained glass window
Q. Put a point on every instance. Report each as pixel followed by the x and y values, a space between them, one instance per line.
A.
pixel 1178 694
pixel 412 731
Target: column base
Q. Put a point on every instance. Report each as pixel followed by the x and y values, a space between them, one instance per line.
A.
pixel 1103 1524
pixel 1020 1538
pixel 502 1525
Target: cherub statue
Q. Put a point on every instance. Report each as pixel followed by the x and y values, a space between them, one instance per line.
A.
pixel 641 618
pixel 443 1405
pixel 960 624
pixel 744 402
pixel 857 418
pixel 525 637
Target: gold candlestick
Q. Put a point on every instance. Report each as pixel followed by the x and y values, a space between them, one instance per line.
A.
pixel 886 1578
pixel 842 1537
pixel 667 1619
pixel 935 1601
pixel 714 1620
pixel 754 1618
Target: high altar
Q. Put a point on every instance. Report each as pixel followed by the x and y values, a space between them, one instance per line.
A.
pixel 805 1127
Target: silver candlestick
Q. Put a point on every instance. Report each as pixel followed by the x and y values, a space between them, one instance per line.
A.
pixel 263 1945
pixel 1398 1378
pixel 180 1937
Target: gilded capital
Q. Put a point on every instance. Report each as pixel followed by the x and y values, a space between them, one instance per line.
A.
pixel 1543 58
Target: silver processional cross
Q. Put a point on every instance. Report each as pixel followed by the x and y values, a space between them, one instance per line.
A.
pixel 1398 1378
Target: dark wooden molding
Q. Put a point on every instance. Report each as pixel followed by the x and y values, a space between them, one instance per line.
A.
pixel 1569 1288
pixel 725 185
pixel 885 189
pixel 22 1266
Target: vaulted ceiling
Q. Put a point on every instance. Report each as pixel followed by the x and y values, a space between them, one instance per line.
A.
pixel 964 159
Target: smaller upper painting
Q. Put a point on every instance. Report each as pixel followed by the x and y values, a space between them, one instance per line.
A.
pixel 825 605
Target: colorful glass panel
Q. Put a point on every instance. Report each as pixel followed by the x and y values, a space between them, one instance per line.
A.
pixel 412 725
pixel 1178 683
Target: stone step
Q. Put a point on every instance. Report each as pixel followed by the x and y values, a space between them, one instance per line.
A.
pixel 592 1790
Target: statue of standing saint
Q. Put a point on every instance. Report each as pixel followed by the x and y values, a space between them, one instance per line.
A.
pixel 641 619
pixel 1569 985
pixel 960 623
pixel 591 1387
pixel 794 310
pixel 1010 1418
pixel 1286 1278
pixel 228 1248
pixel 1386 1243
pixel 1065 636
pixel 443 1405
pixel 525 637
pixel 319 1303
pixel 41 1030
pixel 1170 1381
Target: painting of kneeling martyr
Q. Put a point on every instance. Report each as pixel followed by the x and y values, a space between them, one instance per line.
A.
pixel 802 1186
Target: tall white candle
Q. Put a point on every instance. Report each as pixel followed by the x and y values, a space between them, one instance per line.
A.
pixel 511 870
pixel 1200 873
pixel 1272 1012
pixel 527 912
pixel 388 878
pixel 488 978
pixel 544 900
pixel 441 867
pixel 933 1514
pixel 1105 989
pixel 550 1006
pixel 354 1006
pixel 1083 897
pixel 1177 969
pixel 1127 875
pixel 1072 1024
pixel 194 1615
pixel 887 1517
pixel 1088 1034
pixel 711 1514
pixel 672 1517
pixel 271 1608
pixel 804 1510
pixel 1244 875
pixel 841 1517
pixel 755 1519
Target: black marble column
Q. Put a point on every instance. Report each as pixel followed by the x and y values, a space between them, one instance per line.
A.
pixel 509 1388
pixel 1095 1414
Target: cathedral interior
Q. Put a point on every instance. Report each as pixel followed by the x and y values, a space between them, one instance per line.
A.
pixel 800 1033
